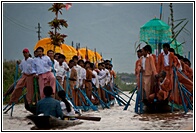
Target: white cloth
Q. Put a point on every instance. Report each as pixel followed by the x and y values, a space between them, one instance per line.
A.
pixel 180 68
pixel 42 65
pixel 79 72
pixel 166 58
pixel 101 77
pixel 27 66
pixel 61 70
pixel 95 80
pixel 144 61
pixel 64 110
pixel 108 77
pixel 83 76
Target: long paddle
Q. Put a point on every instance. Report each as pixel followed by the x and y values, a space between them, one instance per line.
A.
pixel 94 108
pixel 128 103
pixel 90 118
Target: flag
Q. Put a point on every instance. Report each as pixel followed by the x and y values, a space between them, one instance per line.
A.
pixel 86 56
pixel 68 5
pixel 95 55
pixel 78 54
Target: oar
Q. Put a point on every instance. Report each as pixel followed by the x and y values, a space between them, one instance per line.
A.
pixel 88 101
pixel 173 90
pixel 113 95
pixel 128 103
pixel 183 102
pixel 84 118
pixel 13 105
pixel 10 89
pixel 85 108
pixel 74 106
pixel 103 104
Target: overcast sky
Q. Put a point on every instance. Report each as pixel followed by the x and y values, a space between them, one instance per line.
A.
pixel 111 28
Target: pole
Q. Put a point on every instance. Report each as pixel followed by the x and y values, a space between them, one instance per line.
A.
pixel 189 55
pixel 161 11
pixel 38 31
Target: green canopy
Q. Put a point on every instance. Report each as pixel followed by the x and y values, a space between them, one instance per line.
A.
pixel 155 32
pixel 177 46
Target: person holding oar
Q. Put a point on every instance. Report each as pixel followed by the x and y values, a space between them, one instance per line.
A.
pixel 26 80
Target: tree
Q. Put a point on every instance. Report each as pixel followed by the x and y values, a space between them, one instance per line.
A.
pixel 56 24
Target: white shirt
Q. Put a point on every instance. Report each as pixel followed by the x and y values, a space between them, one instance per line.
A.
pixel 83 75
pixel 107 78
pixel 101 77
pixel 144 61
pixel 63 107
pixel 180 68
pixel 95 80
pixel 166 59
pixel 27 66
pixel 42 65
pixel 79 72
pixel 61 70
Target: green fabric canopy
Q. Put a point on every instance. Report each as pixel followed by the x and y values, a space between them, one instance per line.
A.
pixel 155 32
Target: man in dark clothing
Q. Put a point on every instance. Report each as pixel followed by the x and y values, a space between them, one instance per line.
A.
pixel 49 105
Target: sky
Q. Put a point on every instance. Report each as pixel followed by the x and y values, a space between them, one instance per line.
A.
pixel 112 28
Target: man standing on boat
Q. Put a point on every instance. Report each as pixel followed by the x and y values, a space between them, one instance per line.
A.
pixel 138 67
pixel 166 61
pixel 26 80
pixel 147 69
pixel 42 66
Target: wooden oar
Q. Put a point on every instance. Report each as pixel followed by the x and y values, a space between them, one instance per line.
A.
pixel 90 118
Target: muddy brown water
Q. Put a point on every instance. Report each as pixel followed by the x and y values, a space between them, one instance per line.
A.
pixel 114 118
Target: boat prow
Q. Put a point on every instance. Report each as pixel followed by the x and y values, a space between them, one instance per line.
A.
pixel 50 122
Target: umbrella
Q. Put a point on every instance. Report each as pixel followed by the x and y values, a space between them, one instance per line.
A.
pixel 91 55
pixel 46 44
pixel 155 32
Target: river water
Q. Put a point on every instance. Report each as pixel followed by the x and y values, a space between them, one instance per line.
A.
pixel 113 119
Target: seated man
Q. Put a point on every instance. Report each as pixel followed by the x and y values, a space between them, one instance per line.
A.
pixel 164 88
pixel 49 105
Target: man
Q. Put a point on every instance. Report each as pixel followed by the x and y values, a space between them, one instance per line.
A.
pixel 82 79
pixel 112 74
pixel 89 76
pixel 147 69
pixel 50 53
pixel 153 55
pixel 166 61
pixel 101 76
pixel 189 69
pixel 26 80
pixel 42 66
pixel 164 88
pixel 73 82
pixel 138 67
pixel 49 105
pixel 61 69
pixel 78 69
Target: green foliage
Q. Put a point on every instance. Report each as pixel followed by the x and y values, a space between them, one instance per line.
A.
pixel 56 24
pixel 9 69
pixel 126 83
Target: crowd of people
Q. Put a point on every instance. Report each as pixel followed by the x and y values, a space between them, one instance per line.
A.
pixel 158 74
pixel 52 70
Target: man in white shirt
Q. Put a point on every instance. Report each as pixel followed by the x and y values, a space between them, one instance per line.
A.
pixel 61 69
pixel 26 80
pixel 50 53
pixel 78 69
pixel 101 76
pixel 42 66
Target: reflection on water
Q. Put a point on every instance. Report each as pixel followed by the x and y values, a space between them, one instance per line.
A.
pixel 165 121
